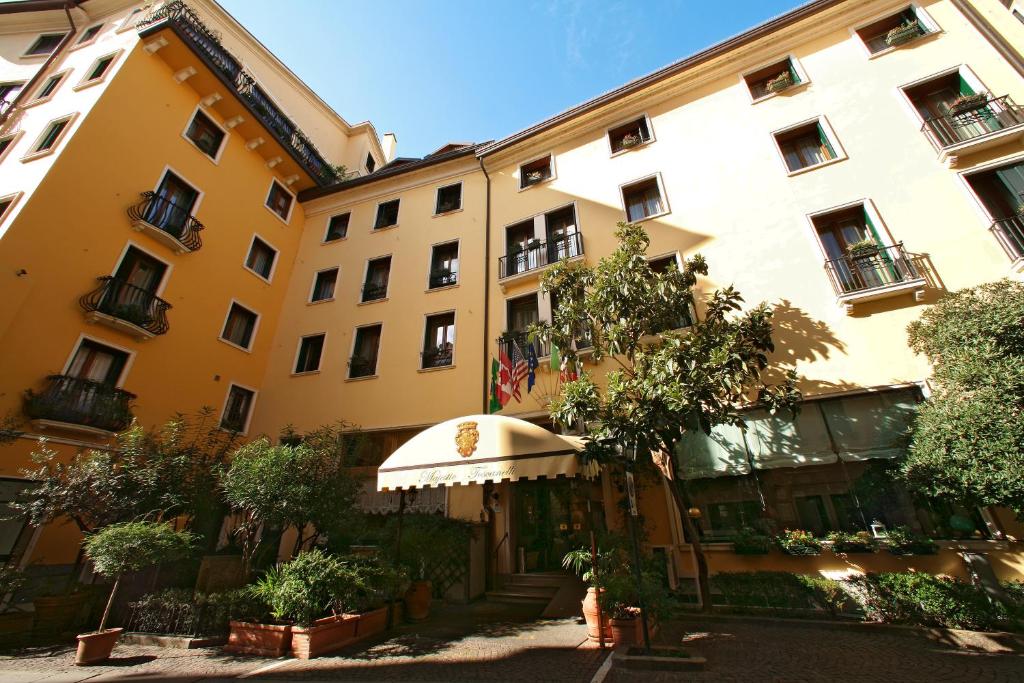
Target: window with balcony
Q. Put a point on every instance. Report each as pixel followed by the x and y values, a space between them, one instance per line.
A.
pixel 237 409
pixel 643 199
pixel 525 251
pixel 170 208
pixel 375 285
pixel 520 313
pixel 1001 191
pixel 895 30
pixel 239 326
pixel 44 44
pixel 630 135
pixel 261 258
pixel 773 79
pixel 127 300
pixel 311 347
pixel 439 341
pixel 805 146
pixel 99 69
pixel 387 215
pixel 337 227
pixel 89 35
pixel 449 198
pixel 364 352
pixel 206 135
pixel 444 265
pixel 323 285
pixel 536 172
pixel 280 200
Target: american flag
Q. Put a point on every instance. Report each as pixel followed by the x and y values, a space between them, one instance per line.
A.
pixel 519 370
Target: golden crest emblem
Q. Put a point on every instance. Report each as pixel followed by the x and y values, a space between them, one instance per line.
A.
pixel 466 438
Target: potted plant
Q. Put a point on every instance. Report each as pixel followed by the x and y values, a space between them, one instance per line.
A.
pixel 750 541
pixel 967 103
pixel 902 541
pixel 418 596
pixel 629 140
pixel 798 542
pixel 903 33
pixel 116 550
pixel 132 313
pixel 863 248
pixel 534 177
pixel 580 562
pixel 381 587
pixel 842 542
pixel 780 82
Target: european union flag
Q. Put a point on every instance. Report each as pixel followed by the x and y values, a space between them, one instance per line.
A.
pixel 531 364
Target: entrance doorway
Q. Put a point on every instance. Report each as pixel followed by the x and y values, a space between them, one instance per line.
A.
pixel 551 518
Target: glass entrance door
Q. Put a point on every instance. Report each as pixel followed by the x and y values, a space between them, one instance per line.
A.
pixel 550 519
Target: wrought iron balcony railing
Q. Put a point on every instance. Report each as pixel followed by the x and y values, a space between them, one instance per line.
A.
pixel 439 357
pixel 972 121
pixel 540 254
pixel 873 269
pixel 358 366
pixel 73 400
pixel 128 303
pixel 374 291
pixel 443 278
pixel 207 45
pixel 164 214
pixel 521 339
pixel 1010 233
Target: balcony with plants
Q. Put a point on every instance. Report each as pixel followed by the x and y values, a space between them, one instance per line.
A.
pixel 528 259
pixel 125 307
pixel 974 122
pixel 79 405
pixel 868 272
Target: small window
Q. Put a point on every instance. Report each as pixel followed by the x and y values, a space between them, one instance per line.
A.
pixel 375 287
pixel 45 44
pixel 387 215
pixel 370 163
pixel 535 172
pixel 237 409
pixel 239 326
pixel 324 284
pixel 449 198
pixel 439 341
pixel 95 362
pixel 261 258
pixel 630 135
pixel 364 352
pixel 89 34
pixel 279 200
pixel 6 203
pixel 51 136
pixel 99 69
pixel 310 350
pixel 444 265
pixel 207 136
pixel 895 30
pixel 805 146
pixel 5 144
pixel 9 91
pixel 49 87
pixel 643 200
pixel 337 227
pixel 772 79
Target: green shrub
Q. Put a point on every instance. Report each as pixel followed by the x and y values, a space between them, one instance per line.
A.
pixel 798 542
pixel 379 581
pixel 434 548
pixel 1015 595
pixel 308 587
pixel 902 541
pixel 762 589
pixel 749 541
pixel 929 600
pixel 177 611
pixel 828 593
pixel 843 542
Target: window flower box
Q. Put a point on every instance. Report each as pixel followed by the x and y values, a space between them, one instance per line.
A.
pixel 903 33
pixel 629 141
pixel 901 541
pixel 843 543
pixel 798 542
pixel 780 82
pixel 748 541
pixel 967 103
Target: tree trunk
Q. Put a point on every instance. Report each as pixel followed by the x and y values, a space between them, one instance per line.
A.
pixel 682 500
pixel 110 603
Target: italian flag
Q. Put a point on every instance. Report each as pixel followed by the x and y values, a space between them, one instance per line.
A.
pixel 501 383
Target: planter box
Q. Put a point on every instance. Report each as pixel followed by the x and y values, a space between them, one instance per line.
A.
pixel 326 635
pixel 265 640
pixel 95 648
pixel 15 627
pixel 802 551
pixel 749 549
pixel 915 549
pixel 851 548
pixel 371 623
pixel 59 613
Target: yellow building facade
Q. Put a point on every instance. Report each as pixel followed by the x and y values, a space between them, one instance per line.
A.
pixel 382 298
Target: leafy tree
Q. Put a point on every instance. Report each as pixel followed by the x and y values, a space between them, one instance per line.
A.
pixel 663 384
pixel 968 438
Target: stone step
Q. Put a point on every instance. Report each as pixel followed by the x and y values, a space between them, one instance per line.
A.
pixel 518 597
pixel 548 580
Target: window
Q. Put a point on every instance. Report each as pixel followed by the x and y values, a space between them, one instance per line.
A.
pixel 9 91
pixel 14 524
pixel 45 44
pixel 772 79
pixel 955 108
pixel 337 227
pixel 364 352
pixel 6 203
pixel 805 146
pixel 100 68
pixel 375 287
pixel 449 198
pixel 237 408
pixel 239 326
pixel 370 163
pixel 643 199
pixel 629 135
pixel 207 136
pixel 895 30
pixel 171 205
pixel 89 34
pixel 520 313
pixel 535 172
pixel 387 215
pixel 6 143
pixel 439 340
pixel 660 265
pixel 261 258
pixel 98 363
pixel 279 200
pixel 444 265
pixel 50 137
pixel 49 87
pixel 310 350
pixel 323 285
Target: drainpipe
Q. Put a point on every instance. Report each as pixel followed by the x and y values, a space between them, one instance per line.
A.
pixel 30 86
pixel 487 286
pixel 1001 45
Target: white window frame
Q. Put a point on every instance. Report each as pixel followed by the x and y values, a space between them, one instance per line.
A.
pixel 14 197
pixel 61 77
pixel 127 23
pixel 320 360
pixel 376 210
pixel 327 226
pixel 622 122
pixel 794 62
pixel 103 342
pixel 455 323
pixel 366 271
pixel 830 135
pixel 168 266
pixel 923 17
pixel 199 193
pixel 352 351
pixel 430 264
pixel 83 84
pixel 291 206
pixel 33 155
pixel 252 407
pixel 437 196
pixel 975 199
pixel 963 70
pixel 870 209
pixel 42 55
pixel 273 266
pixel 518 175
pixel 85 43
pixel 14 138
pixel 661 190
pixel 215 160
pixel 255 328
pixel 334 294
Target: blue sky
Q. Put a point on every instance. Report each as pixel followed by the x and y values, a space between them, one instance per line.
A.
pixel 473 70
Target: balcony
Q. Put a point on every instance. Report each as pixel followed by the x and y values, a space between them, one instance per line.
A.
pixel 359 366
pixel 506 340
pixel 79 405
pixel 1010 233
pixel 171 225
pixel 876 274
pixel 168 28
pixel 126 308
pixel 440 357
pixel 373 291
pixel 537 255
pixel 443 278
pixel 975 126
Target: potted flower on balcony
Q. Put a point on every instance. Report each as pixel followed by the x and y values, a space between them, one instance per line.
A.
pixel 842 542
pixel 116 550
pixel 798 542
pixel 630 140
pixel 780 82
pixel 864 248
pixel 534 177
pixel 902 541
pixel 968 103
pixel 749 541
pixel 903 33
pixel 132 313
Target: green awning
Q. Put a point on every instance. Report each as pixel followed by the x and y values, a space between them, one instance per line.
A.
pixel 871 425
pixel 779 441
pixel 721 454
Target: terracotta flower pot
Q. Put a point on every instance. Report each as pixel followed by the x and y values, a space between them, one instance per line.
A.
pixel 417 601
pixel 624 631
pixel 58 613
pixel 592 612
pixel 94 648
pixel 371 623
pixel 267 640
pixel 325 635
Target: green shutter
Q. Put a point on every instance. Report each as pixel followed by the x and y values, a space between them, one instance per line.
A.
pixel 965 88
pixel 871 227
pixel 825 143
